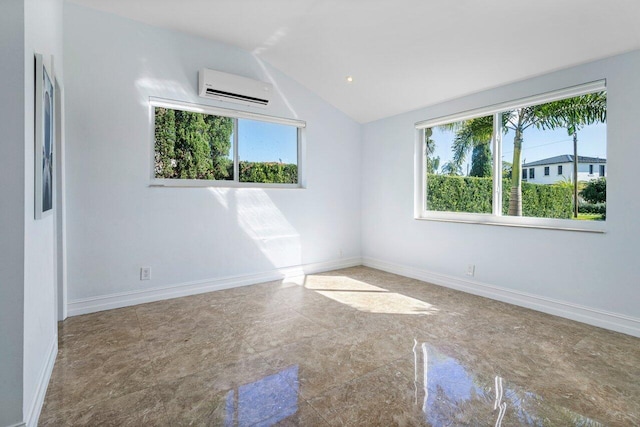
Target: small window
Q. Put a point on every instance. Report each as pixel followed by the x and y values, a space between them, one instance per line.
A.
pixel 215 145
pixel 532 173
pixel 559 169
pixel 601 170
pixel 590 169
pixel 546 171
pixel 524 174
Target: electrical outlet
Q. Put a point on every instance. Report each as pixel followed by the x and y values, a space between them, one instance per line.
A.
pixel 471 269
pixel 145 273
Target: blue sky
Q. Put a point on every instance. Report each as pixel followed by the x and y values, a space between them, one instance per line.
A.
pixel 537 144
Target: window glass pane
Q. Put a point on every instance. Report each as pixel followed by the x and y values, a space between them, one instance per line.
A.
pixel 268 152
pixel 459 166
pixel 543 136
pixel 192 145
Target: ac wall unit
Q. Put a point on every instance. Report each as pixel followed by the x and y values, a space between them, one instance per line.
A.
pixel 226 87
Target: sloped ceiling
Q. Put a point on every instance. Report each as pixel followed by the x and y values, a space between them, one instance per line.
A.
pixel 402 54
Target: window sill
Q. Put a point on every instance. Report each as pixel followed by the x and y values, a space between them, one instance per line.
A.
pixel 203 183
pixel 520 222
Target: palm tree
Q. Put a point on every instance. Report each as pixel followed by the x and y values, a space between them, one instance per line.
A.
pixel 452 168
pixel 433 163
pixel 470 134
pixel 572 114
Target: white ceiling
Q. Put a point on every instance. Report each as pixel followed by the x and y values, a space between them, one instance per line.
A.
pixel 402 54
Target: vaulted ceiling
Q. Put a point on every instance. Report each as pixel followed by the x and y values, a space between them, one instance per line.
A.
pixel 402 54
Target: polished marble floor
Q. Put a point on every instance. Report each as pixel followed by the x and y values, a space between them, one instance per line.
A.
pixel 355 347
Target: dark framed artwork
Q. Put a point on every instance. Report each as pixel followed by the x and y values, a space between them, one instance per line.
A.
pixel 44 139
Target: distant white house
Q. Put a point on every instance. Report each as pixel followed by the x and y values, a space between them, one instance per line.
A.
pixel 560 168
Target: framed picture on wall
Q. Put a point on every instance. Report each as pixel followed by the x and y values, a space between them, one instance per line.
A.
pixel 44 138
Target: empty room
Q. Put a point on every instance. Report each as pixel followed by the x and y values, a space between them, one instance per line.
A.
pixel 319 212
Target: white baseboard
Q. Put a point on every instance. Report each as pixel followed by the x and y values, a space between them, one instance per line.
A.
pixel 43 383
pixel 125 299
pixel 603 319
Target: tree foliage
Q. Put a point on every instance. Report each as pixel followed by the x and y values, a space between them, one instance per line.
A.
pixel 481 162
pixel 452 168
pixel 192 145
pixel 268 172
pixel 433 162
pixel 595 191
pixel 472 135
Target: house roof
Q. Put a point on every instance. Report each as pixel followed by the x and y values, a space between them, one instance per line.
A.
pixel 565 158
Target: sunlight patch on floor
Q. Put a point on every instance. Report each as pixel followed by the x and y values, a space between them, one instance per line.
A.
pixel 365 297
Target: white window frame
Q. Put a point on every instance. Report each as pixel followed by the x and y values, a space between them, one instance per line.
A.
pixel 235 115
pixel 496 217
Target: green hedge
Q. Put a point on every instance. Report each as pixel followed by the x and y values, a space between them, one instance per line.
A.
pixel 268 172
pixel 471 194
pixel 593 208
pixel 459 193
pixel 542 201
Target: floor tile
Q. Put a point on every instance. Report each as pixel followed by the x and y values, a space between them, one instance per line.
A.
pixel 382 397
pixel 350 347
pixel 134 409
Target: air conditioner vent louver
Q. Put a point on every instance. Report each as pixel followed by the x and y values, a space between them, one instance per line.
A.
pixel 214 92
pixel 231 88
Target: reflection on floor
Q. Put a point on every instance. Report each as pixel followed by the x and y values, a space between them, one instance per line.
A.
pixel 350 347
pixel 272 397
pixel 451 393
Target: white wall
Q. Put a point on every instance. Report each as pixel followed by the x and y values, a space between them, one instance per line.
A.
pixel 12 195
pixel 553 177
pixel 43 34
pixel 117 223
pixel 603 280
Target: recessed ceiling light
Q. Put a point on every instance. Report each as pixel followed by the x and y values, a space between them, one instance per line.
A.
pixel 349 79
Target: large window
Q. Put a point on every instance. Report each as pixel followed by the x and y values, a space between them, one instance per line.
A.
pixel 198 145
pixel 479 166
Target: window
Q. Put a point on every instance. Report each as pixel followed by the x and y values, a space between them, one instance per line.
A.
pixel 200 145
pixel 590 169
pixel 601 170
pixel 478 166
